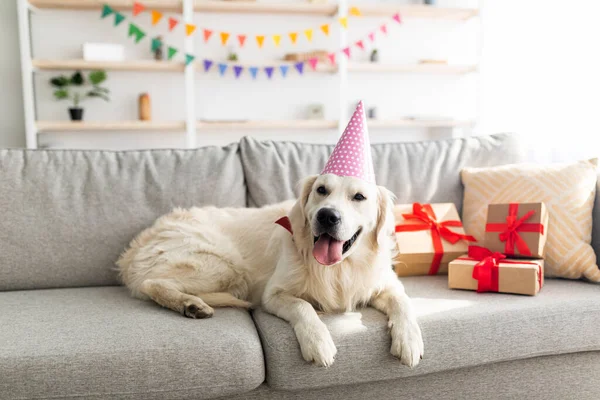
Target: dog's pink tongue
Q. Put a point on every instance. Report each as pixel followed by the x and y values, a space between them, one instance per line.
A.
pixel 327 250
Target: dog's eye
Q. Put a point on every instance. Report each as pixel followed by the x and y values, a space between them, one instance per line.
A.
pixel 359 197
pixel 322 190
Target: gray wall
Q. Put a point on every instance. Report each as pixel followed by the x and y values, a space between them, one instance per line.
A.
pixel 12 126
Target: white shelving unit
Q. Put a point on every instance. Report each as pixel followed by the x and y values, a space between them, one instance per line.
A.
pixel 187 8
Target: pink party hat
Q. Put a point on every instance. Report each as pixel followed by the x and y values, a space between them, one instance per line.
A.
pixel 352 154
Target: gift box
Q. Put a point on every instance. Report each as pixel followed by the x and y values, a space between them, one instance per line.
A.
pixel 517 229
pixel 486 271
pixel 428 237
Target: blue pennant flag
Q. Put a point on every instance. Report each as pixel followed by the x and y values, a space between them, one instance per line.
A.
pixel 253 72
pixel 238 70
pixel 284 70
pixel 300 67
pixel 207 65
pixel 222 68
pixel 269 71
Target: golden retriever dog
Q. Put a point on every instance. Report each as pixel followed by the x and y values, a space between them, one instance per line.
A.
pixel 337 256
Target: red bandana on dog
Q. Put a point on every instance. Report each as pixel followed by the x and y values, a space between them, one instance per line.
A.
pixel 285 222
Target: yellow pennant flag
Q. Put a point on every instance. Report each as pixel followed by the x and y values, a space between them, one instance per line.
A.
pixel 260 39
pixel 308 34
pixel 224 38
pixel 156 17
pixel 189 29
pixel 325 29
pixel 344 22
pixel 293 37
pixel 354 11
pixel 276 39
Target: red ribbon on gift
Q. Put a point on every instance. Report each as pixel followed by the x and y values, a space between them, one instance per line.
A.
pixel 487 271
pixel 509 232
pixel 439 230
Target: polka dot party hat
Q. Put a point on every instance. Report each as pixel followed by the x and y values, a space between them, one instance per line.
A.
pixel 352 154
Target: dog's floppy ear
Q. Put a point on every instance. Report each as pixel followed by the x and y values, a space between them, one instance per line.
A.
pixel 385 216
pixel 297 215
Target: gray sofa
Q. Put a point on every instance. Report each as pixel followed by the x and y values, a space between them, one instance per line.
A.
pixel 68 330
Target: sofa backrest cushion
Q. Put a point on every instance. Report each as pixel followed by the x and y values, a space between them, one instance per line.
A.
pixel 67 215
pixel 426 171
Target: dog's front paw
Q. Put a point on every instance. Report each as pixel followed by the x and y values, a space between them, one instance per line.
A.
pixel 316 343
pixel 407 341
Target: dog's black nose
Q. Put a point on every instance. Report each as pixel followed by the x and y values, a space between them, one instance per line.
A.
pixel 328 217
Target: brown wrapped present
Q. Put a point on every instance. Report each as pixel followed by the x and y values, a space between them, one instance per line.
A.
pixel 426 244
pixel 485 271
pixel 517 229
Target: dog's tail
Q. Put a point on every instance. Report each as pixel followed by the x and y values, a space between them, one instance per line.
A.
pixel 224 299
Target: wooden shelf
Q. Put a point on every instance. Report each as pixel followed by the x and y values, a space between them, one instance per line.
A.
pixel 417 123
pixel 413 68
pixel 284 124
pixel 139 65
pixel 258 7
pixel 96 126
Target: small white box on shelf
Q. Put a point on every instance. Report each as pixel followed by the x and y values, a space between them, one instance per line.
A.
pixel 103 52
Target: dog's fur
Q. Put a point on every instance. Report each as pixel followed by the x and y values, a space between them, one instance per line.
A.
pixel 196 259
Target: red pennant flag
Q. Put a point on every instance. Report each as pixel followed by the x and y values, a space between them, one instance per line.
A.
pixel 347 51
pixel 137 8
pixel 331 58
pixel 383 28
pixel 242 40
pixel 397 18
pixel 172 23
pixel 207 33
pixel 372 36
pixel 360 44
pixel 313 63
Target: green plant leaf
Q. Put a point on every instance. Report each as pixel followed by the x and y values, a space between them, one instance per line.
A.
pixel 101 89
pixel 97 77
pixel 61 94
pixel 77 79
pixel 98 94
pixel 60 81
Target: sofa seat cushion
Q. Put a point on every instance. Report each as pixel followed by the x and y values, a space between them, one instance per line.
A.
pixel 100 342
pixel 460 329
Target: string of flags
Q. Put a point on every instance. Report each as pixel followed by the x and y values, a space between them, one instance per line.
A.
pixel 207 65
pixel 226 37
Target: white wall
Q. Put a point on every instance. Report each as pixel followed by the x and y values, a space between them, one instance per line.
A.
pixel 11 100
pixel 59 34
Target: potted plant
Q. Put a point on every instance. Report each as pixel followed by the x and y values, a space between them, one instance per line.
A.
pixel 74 88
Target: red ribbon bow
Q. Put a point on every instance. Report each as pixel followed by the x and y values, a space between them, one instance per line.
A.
pixel 509 232
pixel 439 230
pixel 487 271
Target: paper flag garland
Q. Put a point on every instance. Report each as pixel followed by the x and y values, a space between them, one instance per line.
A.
pixel 331 58
pixel 293 37
pixel 283 69
pixel 299 67
pixel 276 40
pixel 325 29
pixel 207 34
pixel 253 72
pixel 260 40
pixel 171 51
pixel 241 40
pixel 189 29
pixel 138 8
pixel 269 71
pixel 222 68
pixel 237 70
pixel 224 38
pixel 188 59
pixel 347 52
pixel 360 45
pixel 172 24
pixel 207 65
pixel 156 17
pixel 396 18
pixel 354 11
pixel 308 34
pixel 344 22
pixel 313 63
pixel 137 32
pixel 119 18
pixel 372 36
pixel 106 11
pixel 383 28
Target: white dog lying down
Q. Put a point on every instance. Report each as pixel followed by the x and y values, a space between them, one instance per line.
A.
pixel 338 258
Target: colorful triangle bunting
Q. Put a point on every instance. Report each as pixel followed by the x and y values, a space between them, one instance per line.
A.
pixel 313 63
pixel 383 28
pixel 172 24
pixel 137 8
pixel 372 36
pixel 299 67
pixel 241 40
pixel 207 65
pixel 222 68
pixel 156 17
pixel 276 40
pixel 171 51
pixel 284 70
pixel 224 38
pixel 189 29
pixel 344 22
pixel 396 18
pixel 137 32
pixel 308 33
pixel 360 44
pixel 253 72
pixel 237 70
pixel 106 11
pixel 188 59
pixel 347 52
pixel 260 39
pixel 331 58
pixel 269 71
pixel 354 11
pixel 325 29
pixel 119 18
pixel 293 37
pixel 207 33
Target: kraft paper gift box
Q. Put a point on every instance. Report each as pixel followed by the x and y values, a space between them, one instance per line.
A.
pixel 428 237
pixel 517 229
pixel 485 271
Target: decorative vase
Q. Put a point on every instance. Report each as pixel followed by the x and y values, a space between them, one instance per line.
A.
pixel 374 56
pixel 76 113
pixel 144 107
pixel 429 2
